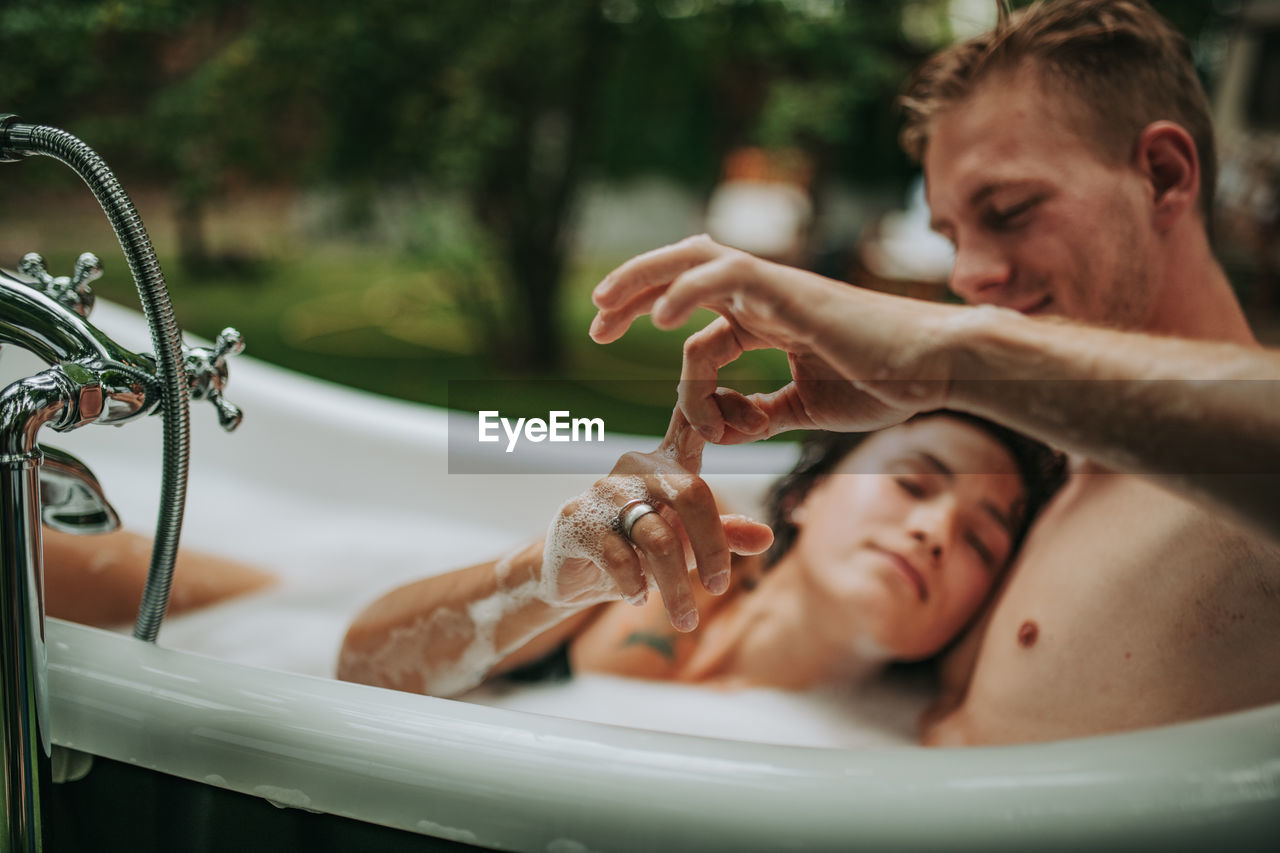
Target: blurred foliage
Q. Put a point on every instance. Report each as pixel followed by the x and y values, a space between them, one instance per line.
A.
pixel 489 117
pixel 509 106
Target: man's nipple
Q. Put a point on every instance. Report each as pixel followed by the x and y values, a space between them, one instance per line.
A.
pixel 1028 633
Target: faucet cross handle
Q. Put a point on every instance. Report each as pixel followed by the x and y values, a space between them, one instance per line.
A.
pixel 207 375
pixel 72 291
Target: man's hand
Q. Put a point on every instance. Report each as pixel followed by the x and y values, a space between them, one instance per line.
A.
pixel 859 360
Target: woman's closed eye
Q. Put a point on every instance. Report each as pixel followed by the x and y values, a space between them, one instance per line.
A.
pixel 985 554
pixel 914 486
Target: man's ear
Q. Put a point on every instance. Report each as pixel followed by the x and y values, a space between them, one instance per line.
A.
pixel 1166 155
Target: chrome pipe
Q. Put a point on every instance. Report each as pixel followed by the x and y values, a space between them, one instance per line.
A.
pixel 25 407
pixel 57 334
pixel 91 380
pixel 34 321
pixel 22 659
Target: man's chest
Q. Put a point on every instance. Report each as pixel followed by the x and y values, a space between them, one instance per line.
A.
pixel 1128 606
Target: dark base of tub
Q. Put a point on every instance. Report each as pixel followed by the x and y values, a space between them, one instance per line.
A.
pixel 119 807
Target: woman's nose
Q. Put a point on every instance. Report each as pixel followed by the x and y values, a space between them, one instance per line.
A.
pixel 978 273
pixel 932 545
pixel 932 524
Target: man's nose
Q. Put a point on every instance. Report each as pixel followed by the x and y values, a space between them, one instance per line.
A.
pixel 978 274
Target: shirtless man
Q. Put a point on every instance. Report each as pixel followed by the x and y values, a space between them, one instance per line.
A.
pixel 1069 158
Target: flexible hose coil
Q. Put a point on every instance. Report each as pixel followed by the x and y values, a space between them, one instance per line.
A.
pixel 165 339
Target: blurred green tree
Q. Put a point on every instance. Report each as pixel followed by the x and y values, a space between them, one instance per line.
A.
pixel 512 106
pixel 167 92
pixel 508 106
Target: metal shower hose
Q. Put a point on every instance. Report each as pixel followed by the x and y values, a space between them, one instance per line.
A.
pixel 165 339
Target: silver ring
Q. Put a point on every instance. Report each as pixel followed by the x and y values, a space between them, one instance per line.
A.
pixel 630 513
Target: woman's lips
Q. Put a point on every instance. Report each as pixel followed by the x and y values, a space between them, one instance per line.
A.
pixel 909 571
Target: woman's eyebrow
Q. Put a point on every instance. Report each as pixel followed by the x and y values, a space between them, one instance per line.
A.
pixel 936 463
pixel 1001 517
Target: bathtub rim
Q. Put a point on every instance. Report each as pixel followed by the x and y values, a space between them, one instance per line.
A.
pixel 513 780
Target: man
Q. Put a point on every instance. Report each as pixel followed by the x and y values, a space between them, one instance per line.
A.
pixel 1068 156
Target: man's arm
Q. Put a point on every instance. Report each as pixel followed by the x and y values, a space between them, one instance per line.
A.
pixel 1205 416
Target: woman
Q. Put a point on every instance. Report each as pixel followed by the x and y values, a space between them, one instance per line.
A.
pixel 98 579
pixel 887 546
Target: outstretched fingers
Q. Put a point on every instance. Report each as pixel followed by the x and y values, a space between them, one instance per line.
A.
pixel 716 283
pixel 632 289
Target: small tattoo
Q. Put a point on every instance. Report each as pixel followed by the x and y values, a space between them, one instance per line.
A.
pixel 664 645
pixel 1028 633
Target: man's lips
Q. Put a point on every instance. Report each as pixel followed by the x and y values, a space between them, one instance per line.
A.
pixel 909 571
pixel 1037 307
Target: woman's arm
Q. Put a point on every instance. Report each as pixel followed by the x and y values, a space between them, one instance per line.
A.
pixel 446 634
pixel 98 579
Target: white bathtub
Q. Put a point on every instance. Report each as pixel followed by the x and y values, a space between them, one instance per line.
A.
pixel 344 495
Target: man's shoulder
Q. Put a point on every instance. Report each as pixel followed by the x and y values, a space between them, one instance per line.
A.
pixel 1117 522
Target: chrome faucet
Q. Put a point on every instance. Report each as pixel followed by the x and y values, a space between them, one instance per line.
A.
pixel 90 380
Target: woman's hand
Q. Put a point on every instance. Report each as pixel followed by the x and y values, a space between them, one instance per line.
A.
pixel 859 360
pixel 587 559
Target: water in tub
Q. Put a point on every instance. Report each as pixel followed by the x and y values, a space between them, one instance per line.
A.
pixel 343 496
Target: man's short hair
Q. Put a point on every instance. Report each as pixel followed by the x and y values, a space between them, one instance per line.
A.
pixel 1125 65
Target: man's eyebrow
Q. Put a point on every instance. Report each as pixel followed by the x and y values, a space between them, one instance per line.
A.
pixel 976 198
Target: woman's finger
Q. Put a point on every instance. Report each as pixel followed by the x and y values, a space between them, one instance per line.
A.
pixel 621 563
pixel 682 444
pixel 690 508
pixel 746 535
pixel 663 552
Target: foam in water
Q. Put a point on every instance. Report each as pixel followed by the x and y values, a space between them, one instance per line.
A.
pixel 877 712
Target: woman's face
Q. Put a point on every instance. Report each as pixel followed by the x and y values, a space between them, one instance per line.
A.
pixel 905 538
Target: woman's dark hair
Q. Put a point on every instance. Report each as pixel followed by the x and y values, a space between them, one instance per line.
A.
pixel 1042 469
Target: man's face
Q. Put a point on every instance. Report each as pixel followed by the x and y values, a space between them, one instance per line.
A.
pixel 1040 220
